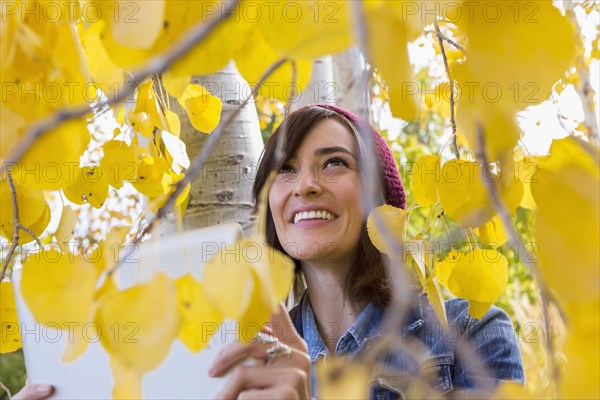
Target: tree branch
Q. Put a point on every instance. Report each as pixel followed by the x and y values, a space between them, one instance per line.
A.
pixel 533 266
pixel 440 37
pixel 15 241
pixel 6 390
pixel 584 89
pixel 33 235
pixel 288 105
pixel 198 163
pixel 401 294
pixel 445 38
pixel 155 65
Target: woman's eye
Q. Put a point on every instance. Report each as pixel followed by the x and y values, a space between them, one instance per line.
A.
pixel 335 162
pixel 286 169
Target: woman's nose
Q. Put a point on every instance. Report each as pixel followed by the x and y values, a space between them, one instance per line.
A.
pixel 308 183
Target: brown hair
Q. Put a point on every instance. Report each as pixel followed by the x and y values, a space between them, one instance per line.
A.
pixel 367 280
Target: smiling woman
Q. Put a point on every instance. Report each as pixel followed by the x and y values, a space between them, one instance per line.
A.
pixel 317 216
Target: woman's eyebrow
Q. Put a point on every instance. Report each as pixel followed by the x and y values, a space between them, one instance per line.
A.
pixel 334 149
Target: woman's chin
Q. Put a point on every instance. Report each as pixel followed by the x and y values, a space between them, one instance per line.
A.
pixel 316 252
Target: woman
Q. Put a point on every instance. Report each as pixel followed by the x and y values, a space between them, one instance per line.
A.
pixel 316 215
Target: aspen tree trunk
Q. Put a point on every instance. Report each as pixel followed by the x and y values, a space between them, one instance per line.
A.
pixel 348 68
pixel 222 192
pixel 321 88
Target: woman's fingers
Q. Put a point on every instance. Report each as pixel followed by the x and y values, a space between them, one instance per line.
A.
pixel 283 393
pixel 283 329
pixel 248 378
pixel 235 352
pixel 34 392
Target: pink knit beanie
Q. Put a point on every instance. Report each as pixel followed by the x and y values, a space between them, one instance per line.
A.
pixel 394 188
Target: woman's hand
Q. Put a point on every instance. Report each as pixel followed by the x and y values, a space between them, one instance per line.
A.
pixel 283 377
pixel 34 392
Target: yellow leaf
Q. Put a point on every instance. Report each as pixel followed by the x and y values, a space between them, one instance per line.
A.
pixel 135 24
pixel 118 163
pixel 9 322
pixel 141 123
pixel 147 102
pixel 527 169
pixel 434 295
pixel 247 280
pixel 275 271
pixel 524 70
pixel 565 196
pixel 571 151
pixel 211 55
pixel 173 123
pixel 51 162
pixel 387 28
pixel 256 56
pixel 174 85
pixel 492 232
pixel 464 197
pixel 340 379
pixel 307 29
pixel 127 381
pixel 38 227
pixel 12 125
pixel 480 274
pixel 107 75
pixel 478 309
pixel 415 250
pixel 111 248
pixel 203 109
pixel 198 315
pixel 475 114
pixel 90 186
pixel 176 149
pixel 66 227
pixel 426 179
pixel 77 347
pixel 579 379
pixel 444 269
pixel 31 204
pixel 147 320
pixel 394 219
pixel 59 287
pixel 257 313
pixel 153 177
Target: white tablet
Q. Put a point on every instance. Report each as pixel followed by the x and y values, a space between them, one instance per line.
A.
pixel 182 375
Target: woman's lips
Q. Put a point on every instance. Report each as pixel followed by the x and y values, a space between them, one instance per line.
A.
pixel 311 223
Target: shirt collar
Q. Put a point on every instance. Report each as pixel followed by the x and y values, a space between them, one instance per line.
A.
pixel 365 327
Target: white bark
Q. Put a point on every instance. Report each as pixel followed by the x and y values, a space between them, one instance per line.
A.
pixel 321 88
pixel 222 193
pixel 348 68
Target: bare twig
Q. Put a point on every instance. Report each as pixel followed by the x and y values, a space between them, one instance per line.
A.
pixel 293 94
pixel 15 241
pixel 584 89
pixel 533 266
pixel 155 65
pixel 445 38
pixel 33 235
pixel 6 390
pixel 198 163
pixel 451 82
pixel 401 294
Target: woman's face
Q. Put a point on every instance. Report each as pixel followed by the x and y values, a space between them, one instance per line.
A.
pixel 316 199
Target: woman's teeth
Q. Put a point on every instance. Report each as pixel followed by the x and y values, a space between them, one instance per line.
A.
pixel 313 215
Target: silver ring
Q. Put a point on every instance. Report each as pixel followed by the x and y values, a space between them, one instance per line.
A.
pixel 264 338
pixel 278 350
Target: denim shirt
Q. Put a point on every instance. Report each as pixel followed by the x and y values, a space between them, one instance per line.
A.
pixel 454 359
